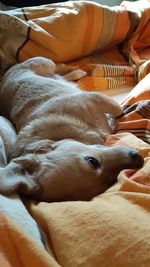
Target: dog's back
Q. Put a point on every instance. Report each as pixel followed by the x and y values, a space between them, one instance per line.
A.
pixel 32 95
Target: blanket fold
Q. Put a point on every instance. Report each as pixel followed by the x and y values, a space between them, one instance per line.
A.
pixel 110 43
pixel 136 107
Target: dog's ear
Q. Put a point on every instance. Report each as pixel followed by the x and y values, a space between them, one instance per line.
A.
pixel 17 176
pixel 39 147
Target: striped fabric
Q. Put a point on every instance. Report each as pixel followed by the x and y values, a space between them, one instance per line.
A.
pixel 136 115
pixel 111 44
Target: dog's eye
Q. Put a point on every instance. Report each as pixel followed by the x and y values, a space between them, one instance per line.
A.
pixel 94 163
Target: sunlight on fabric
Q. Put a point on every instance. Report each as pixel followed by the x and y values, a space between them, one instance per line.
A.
pixel 141 5
pixel 69 9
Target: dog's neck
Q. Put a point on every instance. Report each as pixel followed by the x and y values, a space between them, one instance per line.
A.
pixel 51 128
pixel 63 127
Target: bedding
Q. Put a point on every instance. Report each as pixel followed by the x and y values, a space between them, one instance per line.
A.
pixel 114 227
pixel 110 43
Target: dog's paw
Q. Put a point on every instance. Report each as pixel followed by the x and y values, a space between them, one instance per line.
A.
pixel 75 75
pixel 40 65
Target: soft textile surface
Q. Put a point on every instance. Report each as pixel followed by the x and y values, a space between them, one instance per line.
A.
pixel 136 107
pixel 116 38
pixel 113 229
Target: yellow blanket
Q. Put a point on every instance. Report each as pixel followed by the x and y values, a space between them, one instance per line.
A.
pixel 111 44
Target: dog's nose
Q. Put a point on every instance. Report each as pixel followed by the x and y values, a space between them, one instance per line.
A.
pixel 137 159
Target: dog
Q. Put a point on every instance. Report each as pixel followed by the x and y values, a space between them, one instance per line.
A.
pixel 59 153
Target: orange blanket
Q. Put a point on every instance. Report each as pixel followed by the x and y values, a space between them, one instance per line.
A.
pixel 111 44
pixel 136 106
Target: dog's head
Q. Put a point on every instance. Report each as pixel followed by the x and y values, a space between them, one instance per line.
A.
pixel 67 170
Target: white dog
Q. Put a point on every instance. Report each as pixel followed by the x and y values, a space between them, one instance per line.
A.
pixel 57 155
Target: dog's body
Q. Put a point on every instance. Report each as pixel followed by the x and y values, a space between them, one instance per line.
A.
pixel 48 107
pixel 47 111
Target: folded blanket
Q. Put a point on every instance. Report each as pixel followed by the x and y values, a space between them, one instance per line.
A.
pixel 116 39
pixel 136 107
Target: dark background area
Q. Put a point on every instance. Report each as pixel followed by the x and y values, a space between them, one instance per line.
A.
pixel 22 3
